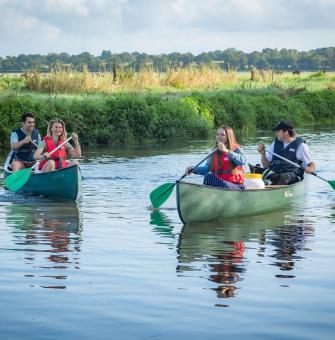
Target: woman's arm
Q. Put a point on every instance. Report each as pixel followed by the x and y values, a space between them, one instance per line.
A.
pixel 199 170
pixel 76 151
pixel 39 151
pixel 202 170
pixel 237 156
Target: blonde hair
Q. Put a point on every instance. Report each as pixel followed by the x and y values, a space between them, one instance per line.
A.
pixel 51 124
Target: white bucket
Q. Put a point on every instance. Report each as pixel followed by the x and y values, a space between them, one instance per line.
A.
pixel 253 181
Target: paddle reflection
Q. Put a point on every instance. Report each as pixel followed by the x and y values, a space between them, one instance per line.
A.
pixel 219 251
pixel 49 234
pixel 162 224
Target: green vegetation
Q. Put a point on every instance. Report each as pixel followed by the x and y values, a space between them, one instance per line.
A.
pixel 133 118
pixel 136 107
pixel 230 59
pixel 173 81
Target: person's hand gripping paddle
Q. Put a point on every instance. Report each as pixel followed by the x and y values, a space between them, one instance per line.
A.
pixel 332 183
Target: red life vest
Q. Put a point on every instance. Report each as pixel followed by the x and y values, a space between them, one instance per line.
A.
pixel 58 156
pixel 226 169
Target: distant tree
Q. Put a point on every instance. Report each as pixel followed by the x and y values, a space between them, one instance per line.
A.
pixel 284 59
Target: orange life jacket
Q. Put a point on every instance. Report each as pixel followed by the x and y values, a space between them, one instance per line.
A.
pixel 58 156
pixel 226 169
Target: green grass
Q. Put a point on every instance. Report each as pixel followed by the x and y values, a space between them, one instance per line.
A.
pixel 173 81
pixel 138 118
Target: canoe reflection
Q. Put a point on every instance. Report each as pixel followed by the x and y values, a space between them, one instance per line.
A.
pixel 49 234
pixel 218 250
pixel 288 244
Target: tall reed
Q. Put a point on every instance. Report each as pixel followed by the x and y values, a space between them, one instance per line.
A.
pixel 206 77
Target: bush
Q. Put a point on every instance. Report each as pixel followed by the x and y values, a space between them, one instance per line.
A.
pixel 137 119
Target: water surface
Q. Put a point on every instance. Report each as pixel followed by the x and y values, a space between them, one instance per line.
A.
pixel 108 267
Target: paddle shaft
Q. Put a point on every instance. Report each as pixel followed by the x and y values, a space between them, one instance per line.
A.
pixel 295 164
pixel 51 152
pixel 209 155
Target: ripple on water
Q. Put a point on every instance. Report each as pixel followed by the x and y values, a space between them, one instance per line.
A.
pixel 109 266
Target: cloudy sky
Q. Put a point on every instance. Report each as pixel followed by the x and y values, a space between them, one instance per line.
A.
pixel 163 26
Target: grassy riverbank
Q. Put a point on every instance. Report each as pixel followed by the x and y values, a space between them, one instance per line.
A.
pixel 173 81
pixel 132 118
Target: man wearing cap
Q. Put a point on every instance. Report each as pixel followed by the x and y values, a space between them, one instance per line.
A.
pixel 24 142
pixel 293 148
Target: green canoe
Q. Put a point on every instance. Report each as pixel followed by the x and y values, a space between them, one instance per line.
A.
pixel 199 203
pixel 60 184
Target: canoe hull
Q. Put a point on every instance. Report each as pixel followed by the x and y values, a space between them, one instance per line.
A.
pixel 199 203
pixel 60 184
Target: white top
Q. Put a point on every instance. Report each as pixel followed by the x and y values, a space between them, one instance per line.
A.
pixel 303 153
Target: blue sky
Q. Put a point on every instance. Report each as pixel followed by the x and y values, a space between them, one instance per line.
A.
pixel 158 26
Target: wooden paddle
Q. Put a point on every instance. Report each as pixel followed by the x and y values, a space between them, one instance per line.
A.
pixel 19 178
pixel 332 183
pixel 159 195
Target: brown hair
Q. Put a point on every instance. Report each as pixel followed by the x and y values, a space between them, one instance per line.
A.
pixel 231 143
pixel 291 132
pixel 25 115
pixel 231 140
pixel 51 124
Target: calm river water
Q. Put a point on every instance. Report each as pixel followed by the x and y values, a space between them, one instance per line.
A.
pixel 110 268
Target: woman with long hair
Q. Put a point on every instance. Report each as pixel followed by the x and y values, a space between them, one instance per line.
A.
pixel 56 134
pixel 225 167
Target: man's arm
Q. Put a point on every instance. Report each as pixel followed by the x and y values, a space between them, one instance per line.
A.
pixel 265 162
pixel 304 155
pixel 15 144
pixel 310 168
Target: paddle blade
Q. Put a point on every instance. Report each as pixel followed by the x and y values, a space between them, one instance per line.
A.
pixel 332 183
pixel 161 194
pixel 18 179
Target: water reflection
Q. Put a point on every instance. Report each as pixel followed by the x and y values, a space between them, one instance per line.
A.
pixel 227 271
pixel 162 224
pixel 288 243
pixel 49 235
pixel 221 252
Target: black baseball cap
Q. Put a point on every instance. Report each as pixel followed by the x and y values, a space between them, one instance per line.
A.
pixel 283 126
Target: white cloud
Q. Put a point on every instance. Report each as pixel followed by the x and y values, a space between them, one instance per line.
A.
pixel 158 26
pixel 77 7
pixel 18 30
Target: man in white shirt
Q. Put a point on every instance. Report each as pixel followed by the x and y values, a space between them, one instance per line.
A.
pixel 290 147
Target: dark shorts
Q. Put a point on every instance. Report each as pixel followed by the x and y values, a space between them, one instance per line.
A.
pixel 274 178
pixel 284 179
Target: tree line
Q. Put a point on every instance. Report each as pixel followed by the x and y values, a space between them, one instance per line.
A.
pixel 229 59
